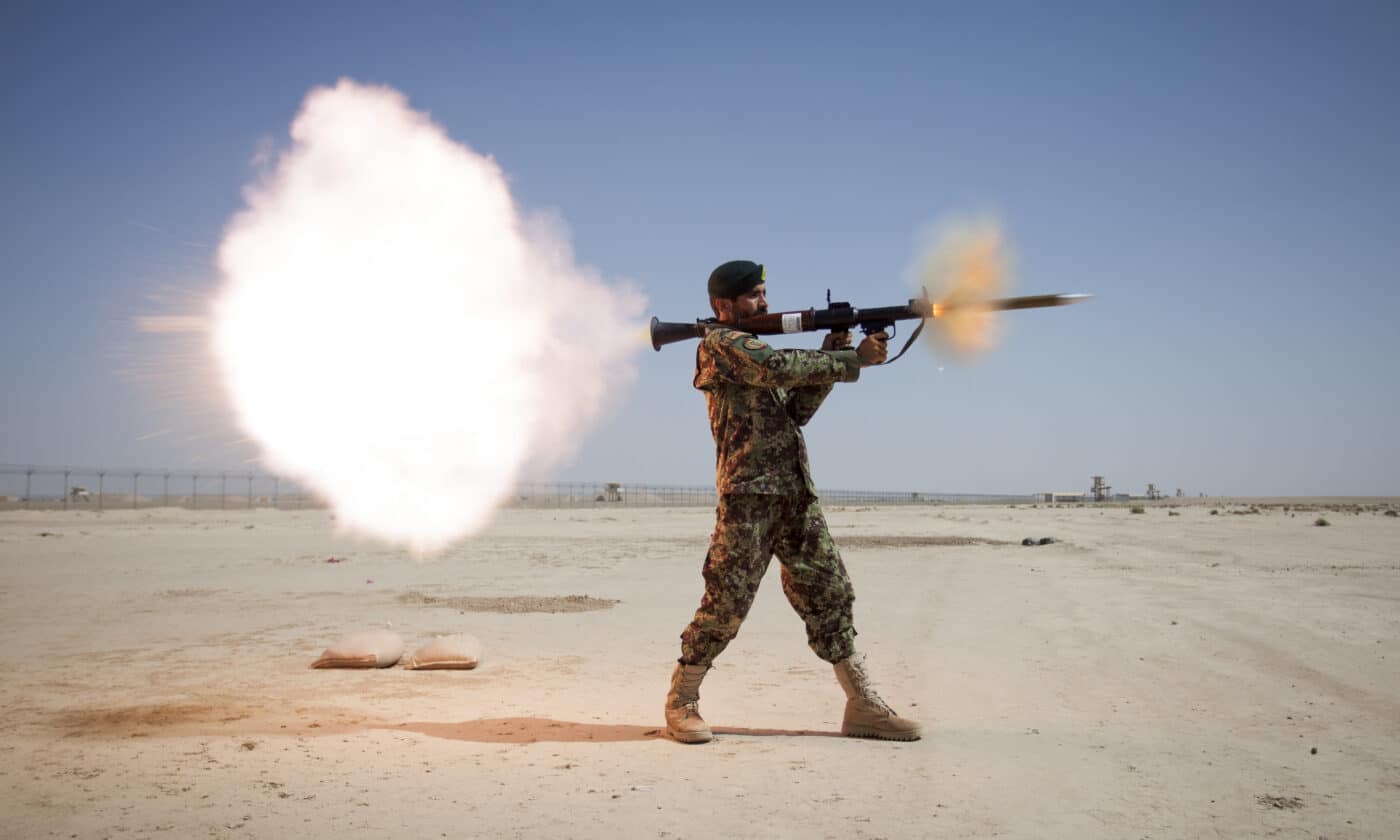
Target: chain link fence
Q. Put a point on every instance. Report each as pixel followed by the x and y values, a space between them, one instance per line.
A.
pixel 97 488
pixel 100 488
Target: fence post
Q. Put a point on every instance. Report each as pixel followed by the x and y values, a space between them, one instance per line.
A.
pixel 65 489
pixel 135 482
pixel 101 477
pixel 250 491
pixel 28 473
pixel 194 491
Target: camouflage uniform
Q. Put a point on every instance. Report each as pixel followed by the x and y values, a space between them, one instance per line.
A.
pixel 759 398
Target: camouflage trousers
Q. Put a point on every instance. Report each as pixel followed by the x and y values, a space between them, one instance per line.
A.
pixel 749 530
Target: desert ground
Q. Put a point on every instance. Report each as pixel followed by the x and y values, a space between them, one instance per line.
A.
pixel 1166 674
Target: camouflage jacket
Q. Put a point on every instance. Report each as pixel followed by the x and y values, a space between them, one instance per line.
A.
pixel 759 398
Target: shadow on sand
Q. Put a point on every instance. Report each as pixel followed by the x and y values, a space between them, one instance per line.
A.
pixel 183 719
pixel 523 730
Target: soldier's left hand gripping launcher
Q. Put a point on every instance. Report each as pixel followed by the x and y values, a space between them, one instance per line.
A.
pixel 842 317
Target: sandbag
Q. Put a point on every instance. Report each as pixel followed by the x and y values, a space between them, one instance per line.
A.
pixel 460 652
pixel 372 649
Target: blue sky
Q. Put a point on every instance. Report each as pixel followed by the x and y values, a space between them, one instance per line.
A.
pixel 1222 176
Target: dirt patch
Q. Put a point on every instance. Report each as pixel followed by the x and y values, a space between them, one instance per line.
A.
pixel 187 593
pixel 232 717
pixel 136 720
pixel 869 541
pixel 513 603
pixel 1283 803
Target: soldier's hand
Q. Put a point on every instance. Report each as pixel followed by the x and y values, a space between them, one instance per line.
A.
pixel 873 350
pixel 837 340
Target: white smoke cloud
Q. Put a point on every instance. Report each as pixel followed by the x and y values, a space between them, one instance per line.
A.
pixel 393 333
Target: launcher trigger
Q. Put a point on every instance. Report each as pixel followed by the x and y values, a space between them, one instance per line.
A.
pixel 886 327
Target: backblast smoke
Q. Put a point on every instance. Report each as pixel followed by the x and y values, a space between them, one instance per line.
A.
pixel 393 333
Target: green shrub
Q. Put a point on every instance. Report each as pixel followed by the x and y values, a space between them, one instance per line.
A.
pixel 1139 509
pixel 1321 523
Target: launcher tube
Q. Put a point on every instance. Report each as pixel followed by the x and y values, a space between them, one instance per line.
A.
pixel 844 317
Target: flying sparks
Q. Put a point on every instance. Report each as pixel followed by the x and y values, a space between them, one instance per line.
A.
pixel 394 334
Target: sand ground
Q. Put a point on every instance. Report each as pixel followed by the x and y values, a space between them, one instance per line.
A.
pixel 1149 675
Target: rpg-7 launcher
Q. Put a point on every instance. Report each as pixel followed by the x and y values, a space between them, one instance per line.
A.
pixel 842 316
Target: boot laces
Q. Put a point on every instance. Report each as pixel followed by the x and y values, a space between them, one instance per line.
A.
pixel 866 687
pixel 876 700
pixel 870 696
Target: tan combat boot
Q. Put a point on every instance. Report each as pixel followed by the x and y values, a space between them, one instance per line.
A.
pixel 683 721
pixel 867 716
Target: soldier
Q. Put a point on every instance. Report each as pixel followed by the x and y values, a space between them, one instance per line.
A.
pixel 758 399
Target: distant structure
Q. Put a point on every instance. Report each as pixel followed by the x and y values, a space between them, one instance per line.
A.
pixel 1100 491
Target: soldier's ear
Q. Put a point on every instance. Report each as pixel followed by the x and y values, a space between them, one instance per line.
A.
pixel 721 307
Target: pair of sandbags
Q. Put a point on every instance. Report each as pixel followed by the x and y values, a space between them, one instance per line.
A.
pixel 384 648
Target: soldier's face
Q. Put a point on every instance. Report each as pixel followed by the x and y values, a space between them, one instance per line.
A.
pixel 750 303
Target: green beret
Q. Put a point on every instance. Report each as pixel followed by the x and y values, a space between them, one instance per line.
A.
pixel 734 278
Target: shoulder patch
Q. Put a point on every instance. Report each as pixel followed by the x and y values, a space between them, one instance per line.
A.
pixel 754 344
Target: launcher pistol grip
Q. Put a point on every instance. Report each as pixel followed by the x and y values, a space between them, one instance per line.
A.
pixel 884 326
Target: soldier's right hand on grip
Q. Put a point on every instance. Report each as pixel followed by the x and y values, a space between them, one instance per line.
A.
pixel 873 349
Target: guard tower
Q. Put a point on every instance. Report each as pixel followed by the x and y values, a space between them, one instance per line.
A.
pixel 1099 490
pixel 1153 492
